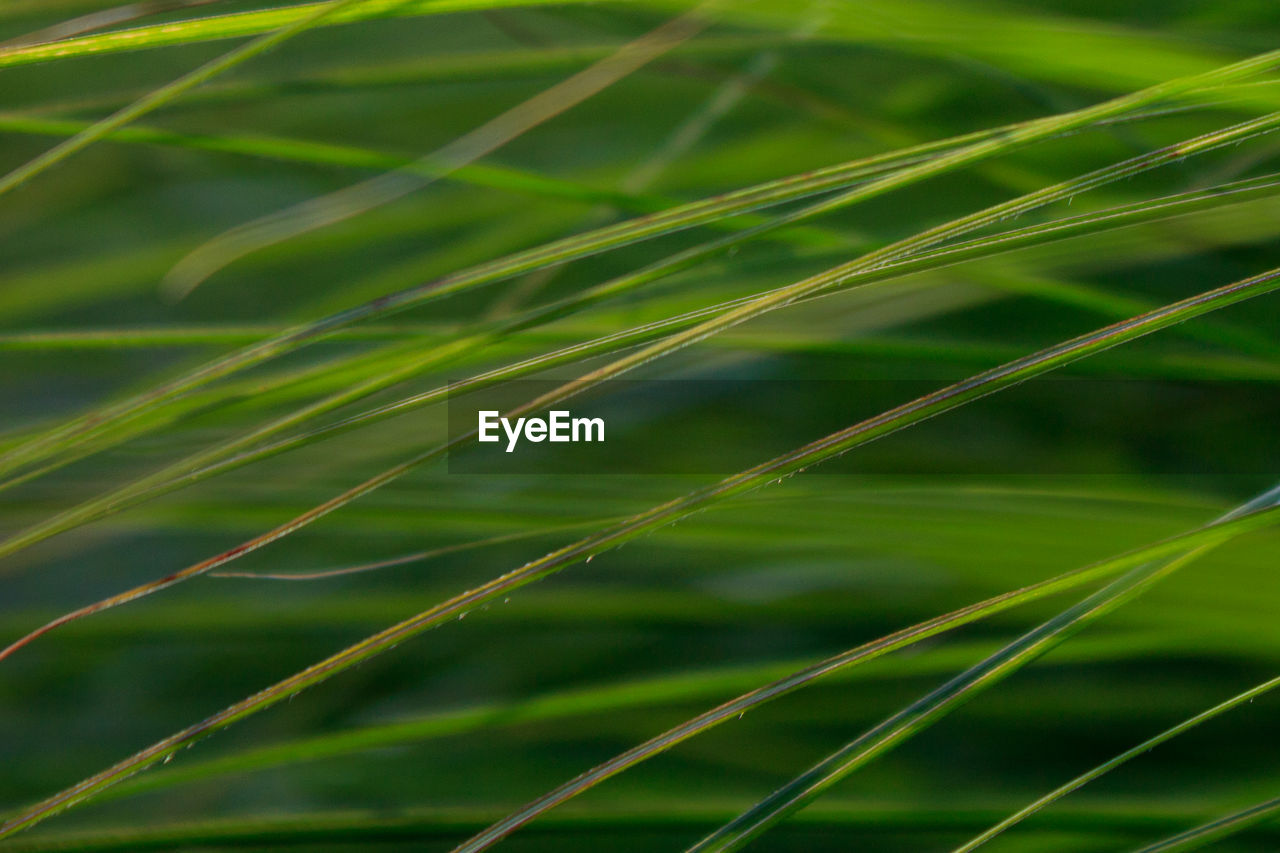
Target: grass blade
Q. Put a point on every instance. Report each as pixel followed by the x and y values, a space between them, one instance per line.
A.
pixel 101 20
pixel 239 25
pixel 359 198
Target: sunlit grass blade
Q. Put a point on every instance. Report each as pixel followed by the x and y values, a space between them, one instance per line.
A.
pixel 207 462
pixel 923 408
pixel 989 144
pixel 930 708
pixel 1109 765
pixel 239 25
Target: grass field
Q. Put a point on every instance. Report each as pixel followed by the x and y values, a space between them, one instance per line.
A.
pixel 949 494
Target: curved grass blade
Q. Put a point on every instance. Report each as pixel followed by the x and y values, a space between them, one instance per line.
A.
pixel 659 516
pixel 800 678
pixel 1216 830
pixel 1109 765
pixel 359 198
pixel 927 710
pixel 751 308
pixel 167 93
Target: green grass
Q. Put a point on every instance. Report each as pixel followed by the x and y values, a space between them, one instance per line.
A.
pixel 970 594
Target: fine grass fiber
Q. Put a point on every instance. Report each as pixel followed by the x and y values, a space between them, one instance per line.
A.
pixel 999 578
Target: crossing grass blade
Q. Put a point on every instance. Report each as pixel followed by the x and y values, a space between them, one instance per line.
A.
pixel 868 264
pixel 735 708
pixel 83 428
pixel 945 399
pixel 930 708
